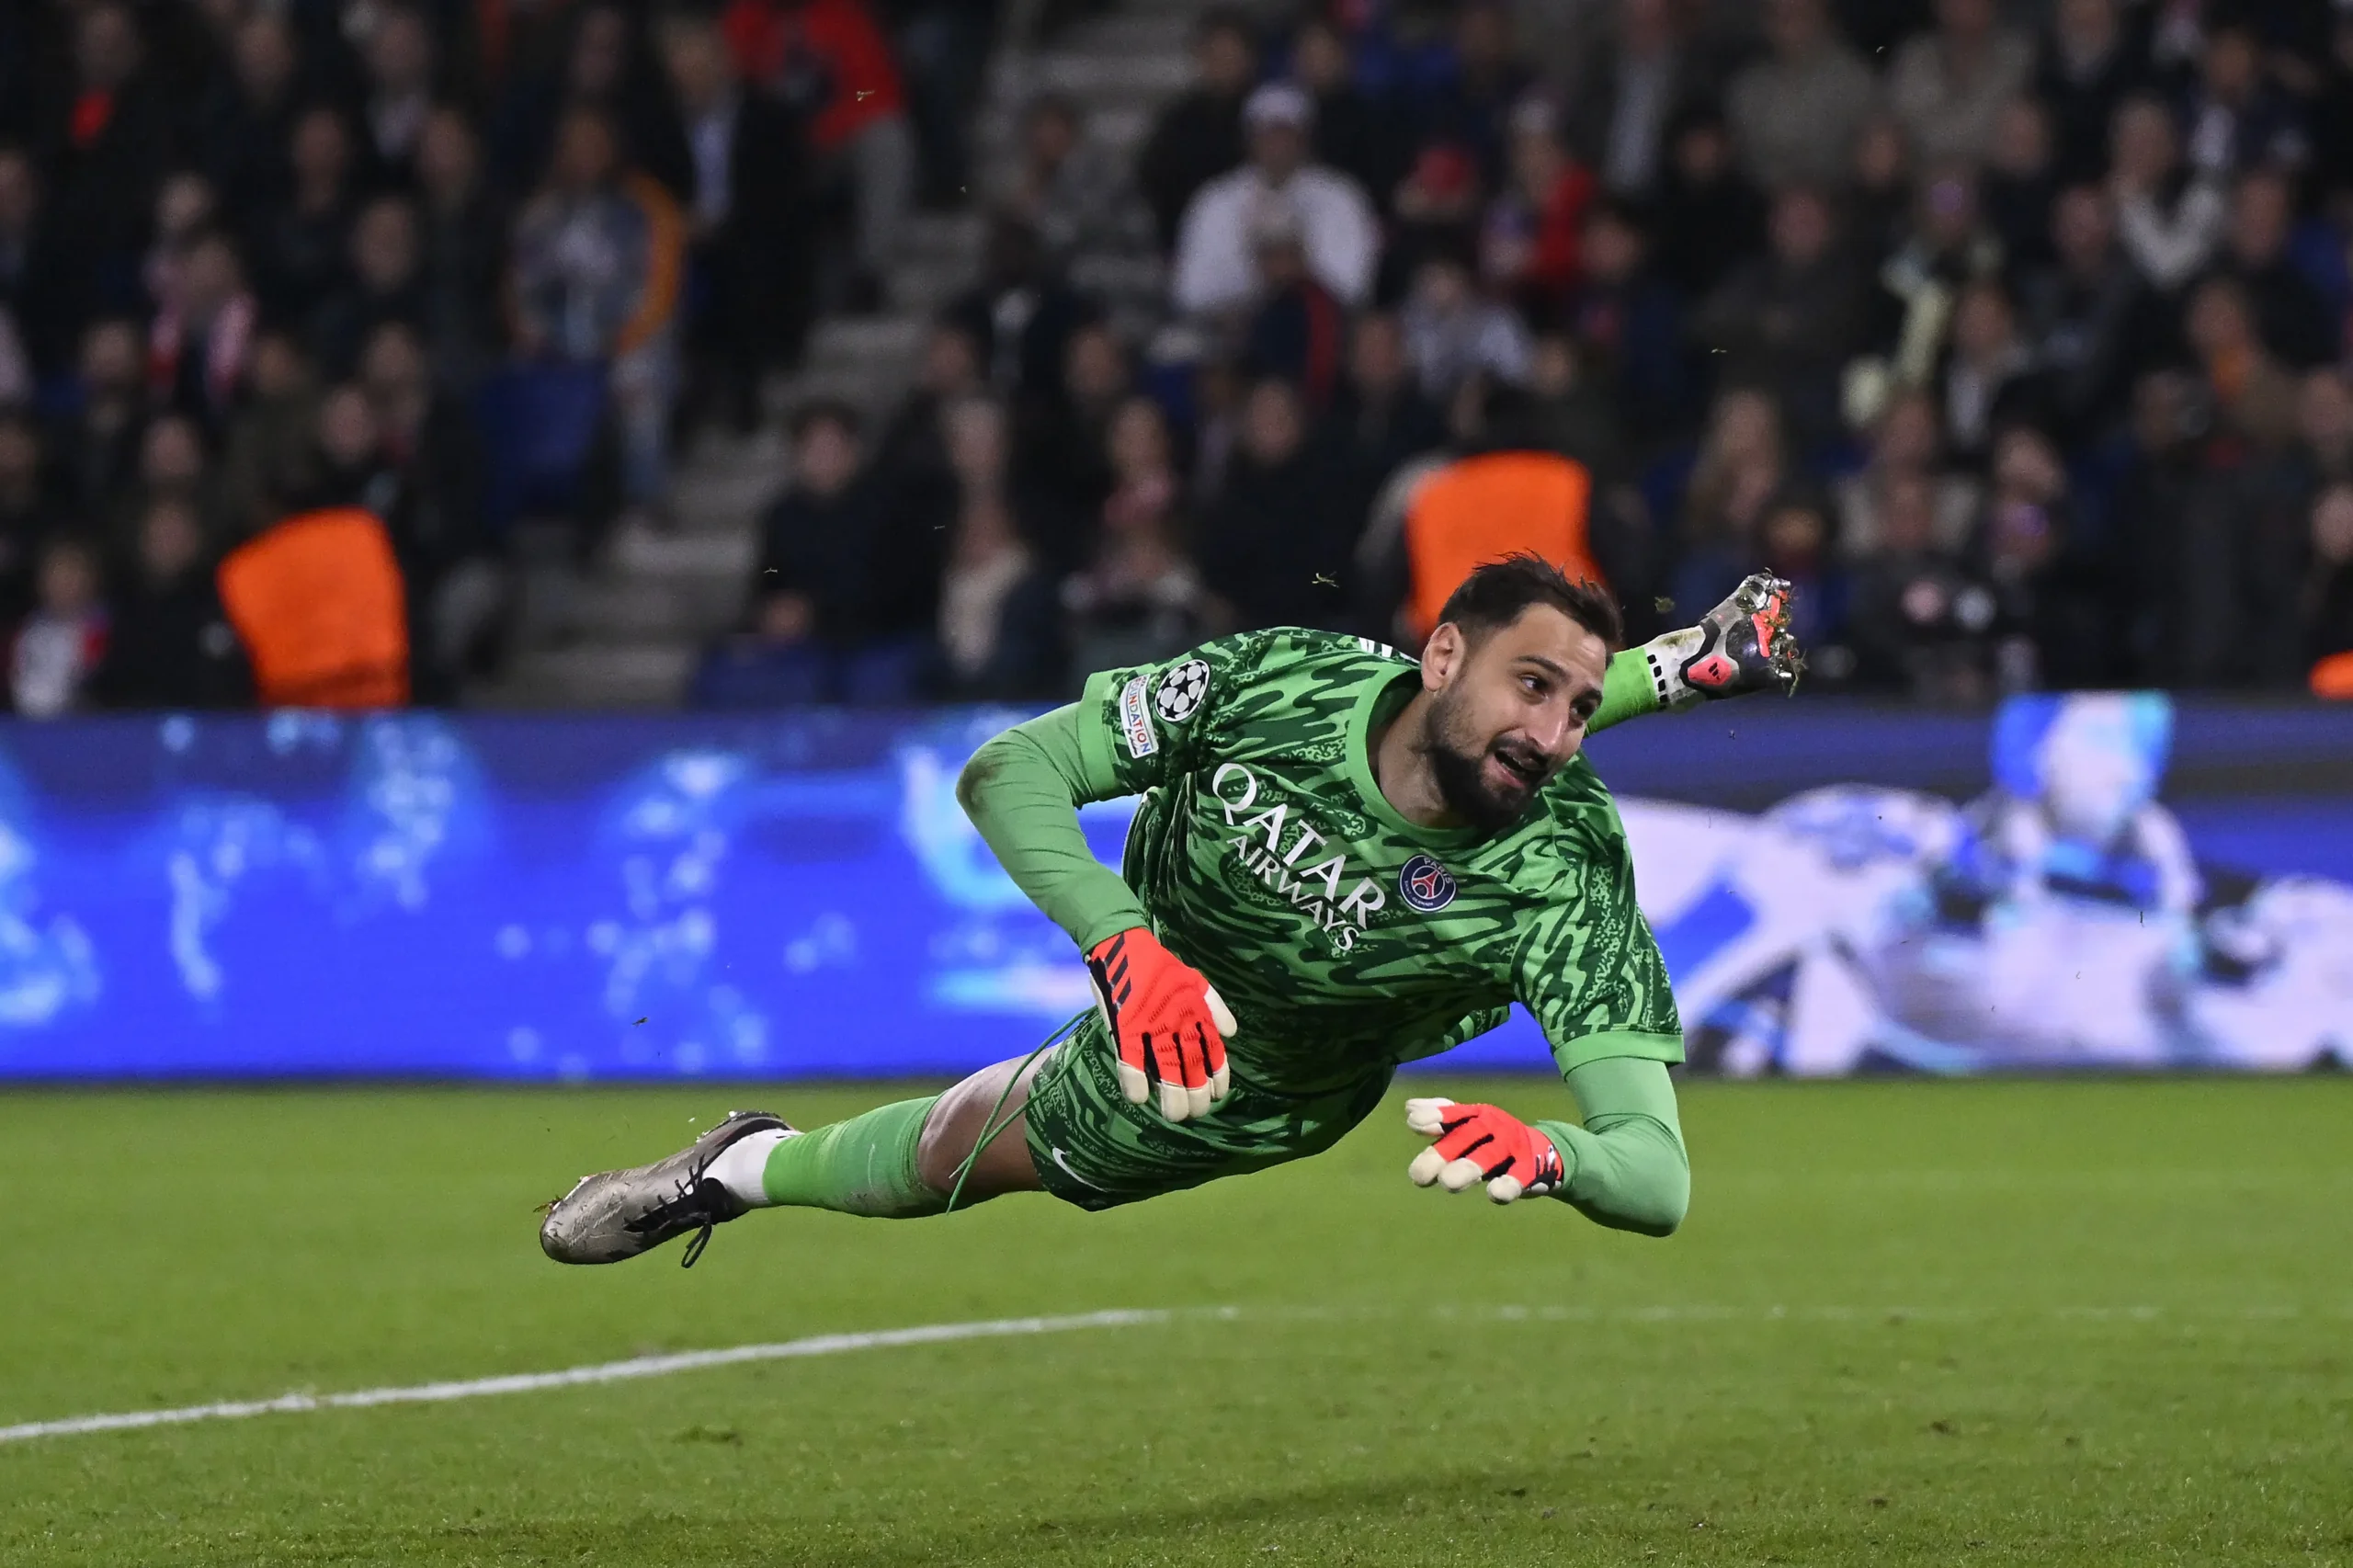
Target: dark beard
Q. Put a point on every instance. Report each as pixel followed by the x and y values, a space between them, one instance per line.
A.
pixel 1459 771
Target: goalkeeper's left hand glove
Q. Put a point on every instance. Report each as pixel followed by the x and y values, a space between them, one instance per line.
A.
pixel 1742 645
pixel 1480 1143
pixel 1168 1023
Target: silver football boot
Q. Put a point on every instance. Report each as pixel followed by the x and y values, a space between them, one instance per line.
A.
pixel 619 1214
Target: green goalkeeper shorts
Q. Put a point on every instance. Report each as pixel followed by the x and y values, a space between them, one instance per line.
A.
pixel 1093 1148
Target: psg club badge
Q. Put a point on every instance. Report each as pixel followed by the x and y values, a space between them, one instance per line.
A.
pixel 1181 691
pixel 1425 884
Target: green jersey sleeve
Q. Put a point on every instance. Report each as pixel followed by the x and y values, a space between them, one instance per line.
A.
pixel 1627 691
pixel 1022 790
pixel 1589 970
pixel 1627 1165
pixel 1133 728
pixel 1147 723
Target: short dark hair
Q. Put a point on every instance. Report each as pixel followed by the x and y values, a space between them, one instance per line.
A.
pixel 1497 592
pixel 1510 419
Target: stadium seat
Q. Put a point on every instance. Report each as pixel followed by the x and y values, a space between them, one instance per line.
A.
pixel 2333 677
pixel 319 603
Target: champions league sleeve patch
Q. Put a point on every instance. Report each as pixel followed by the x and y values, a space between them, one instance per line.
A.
pixel 1135 720
pixel 1182 690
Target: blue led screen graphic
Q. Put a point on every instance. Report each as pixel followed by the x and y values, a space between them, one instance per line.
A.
pixel 2109 882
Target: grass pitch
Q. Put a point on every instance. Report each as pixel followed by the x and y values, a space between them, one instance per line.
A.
pixel 2013 1322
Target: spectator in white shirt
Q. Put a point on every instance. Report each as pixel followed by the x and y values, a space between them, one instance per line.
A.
pixel 1216 265
pixel 2169 218
pixel 1453 332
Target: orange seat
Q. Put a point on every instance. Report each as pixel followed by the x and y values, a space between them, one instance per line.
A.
pixel 2333 677
pixel 320 605
pixel 1480 508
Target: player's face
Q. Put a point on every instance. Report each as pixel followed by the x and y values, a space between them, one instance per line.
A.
pixel 1509 712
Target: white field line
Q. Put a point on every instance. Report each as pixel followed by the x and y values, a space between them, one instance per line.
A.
pixel 996 1328
pixel 574 1377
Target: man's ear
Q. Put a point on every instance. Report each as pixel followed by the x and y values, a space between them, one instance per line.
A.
pixel 1442 657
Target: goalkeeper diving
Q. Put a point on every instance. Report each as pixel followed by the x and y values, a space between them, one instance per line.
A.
pixel 1344 860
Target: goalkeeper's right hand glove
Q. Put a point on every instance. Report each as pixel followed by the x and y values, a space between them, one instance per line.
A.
pixel 1742 645
pixel 1481 1143
pixel 1168 1022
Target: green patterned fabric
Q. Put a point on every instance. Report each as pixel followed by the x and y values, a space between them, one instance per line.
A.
pixel 1267 857
pixel 1345 937
pixel 1093 1148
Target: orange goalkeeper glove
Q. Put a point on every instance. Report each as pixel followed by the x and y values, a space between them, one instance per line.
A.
pixel 1743 644
pixel 1168 1023
pixel 1480 1142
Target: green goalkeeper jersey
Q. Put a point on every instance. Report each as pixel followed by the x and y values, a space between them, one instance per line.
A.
pixel 1345 937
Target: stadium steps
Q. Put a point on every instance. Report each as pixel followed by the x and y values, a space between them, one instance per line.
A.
pixel 603 674
pixel 628 631
pixel 1161 31
pixel 1109 75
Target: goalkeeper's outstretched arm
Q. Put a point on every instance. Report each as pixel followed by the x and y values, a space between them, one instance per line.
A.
pixel 1023 790
pixel 1168 1025
pixel 1626 1167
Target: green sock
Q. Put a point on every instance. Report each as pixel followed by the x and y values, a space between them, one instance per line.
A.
pixel 865 1166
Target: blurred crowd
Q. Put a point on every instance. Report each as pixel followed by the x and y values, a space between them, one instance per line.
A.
pixel 443 263
pixel 2014 334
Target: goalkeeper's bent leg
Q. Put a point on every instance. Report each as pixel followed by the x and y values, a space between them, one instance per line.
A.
pixel 989 1105
pixel 896 1162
